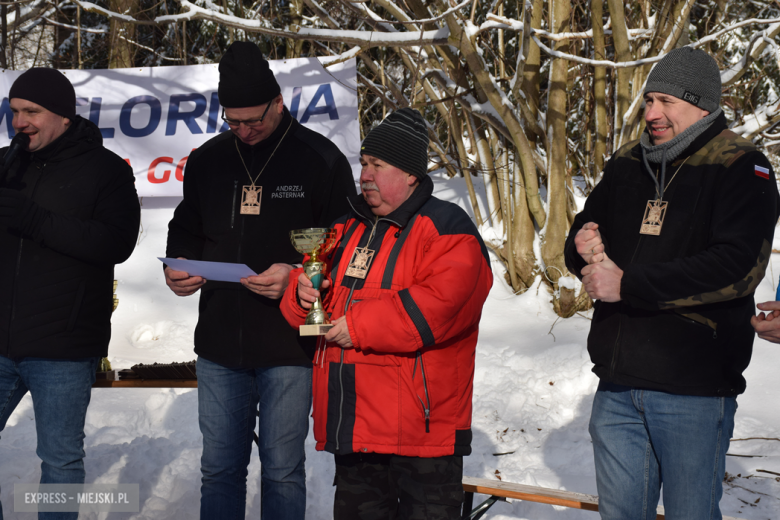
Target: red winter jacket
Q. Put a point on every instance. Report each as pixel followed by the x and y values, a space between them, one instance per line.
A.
pixel 406 387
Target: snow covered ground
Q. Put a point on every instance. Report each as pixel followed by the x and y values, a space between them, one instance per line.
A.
pixel 532 396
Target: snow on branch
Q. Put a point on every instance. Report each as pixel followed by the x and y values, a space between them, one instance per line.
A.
pixel 500 22
pixel 743 23
pixel 374 39
pixel 28 11
pixel 596 63
pixel 363 39
pixel 94 8
pixel 484 111
pixel 332 60
pixel 323 13
pixel 762 119
pixel 437 18
pixel 73 27
pixel 734 72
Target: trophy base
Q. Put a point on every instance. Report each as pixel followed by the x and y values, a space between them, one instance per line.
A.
pixel 315 330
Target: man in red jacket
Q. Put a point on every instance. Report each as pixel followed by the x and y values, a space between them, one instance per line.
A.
pixel 393 379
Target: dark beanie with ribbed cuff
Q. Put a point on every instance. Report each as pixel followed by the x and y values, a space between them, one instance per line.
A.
pixel 48 88
pixel 245 79
pixel 688 74
pixel 401 140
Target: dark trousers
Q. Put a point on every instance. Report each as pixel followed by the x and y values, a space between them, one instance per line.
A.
pixel 375 486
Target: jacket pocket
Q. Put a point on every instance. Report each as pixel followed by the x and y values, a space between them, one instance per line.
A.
pixel 701 322
pixel 425 399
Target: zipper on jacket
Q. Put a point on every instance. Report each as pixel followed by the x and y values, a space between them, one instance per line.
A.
pixel 341 400
pixel 238 260
pixel 18 267
pixel 341 368
pixel 615 349
pixel 233 206
pixel 13 296
pixel 426 409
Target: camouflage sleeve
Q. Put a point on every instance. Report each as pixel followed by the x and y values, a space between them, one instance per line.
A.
pixel 739 245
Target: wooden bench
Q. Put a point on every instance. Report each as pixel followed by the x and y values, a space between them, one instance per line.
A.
pixel 497 490
pixel 111 379
pixel 145 383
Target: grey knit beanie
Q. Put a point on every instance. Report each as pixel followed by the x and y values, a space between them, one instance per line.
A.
pixel 688 74
pixel 401 140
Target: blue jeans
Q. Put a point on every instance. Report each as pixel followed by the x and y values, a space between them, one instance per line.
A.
pixel 645 438
pixel 228 403
pixel 60 390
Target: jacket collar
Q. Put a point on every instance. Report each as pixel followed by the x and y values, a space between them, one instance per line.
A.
pixel 82 135
pixel 403 213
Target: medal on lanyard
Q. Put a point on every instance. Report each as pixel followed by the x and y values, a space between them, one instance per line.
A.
pixel 362 258
pixel 655 211
pixel 252 194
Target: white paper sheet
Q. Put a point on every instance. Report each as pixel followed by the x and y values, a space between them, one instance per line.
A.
pixel 213 271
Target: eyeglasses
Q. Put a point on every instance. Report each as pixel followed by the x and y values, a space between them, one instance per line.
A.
pixel 251 123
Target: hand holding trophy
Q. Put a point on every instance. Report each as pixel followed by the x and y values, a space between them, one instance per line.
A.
pixel 314 242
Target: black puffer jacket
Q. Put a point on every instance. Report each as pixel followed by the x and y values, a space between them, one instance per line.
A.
pixel 56 279
pixel 306 184
pixel 683 322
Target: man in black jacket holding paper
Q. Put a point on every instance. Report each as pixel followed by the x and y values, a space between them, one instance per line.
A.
pixel 68 213
pixel 244 191
pixel 672 244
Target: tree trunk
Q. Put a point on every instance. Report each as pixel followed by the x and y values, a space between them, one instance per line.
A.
pixel 523 234
pixel 294 47
pixel 122 52
pixel 623 52
pixel 557 201
pixel 531 70
pixel 599 87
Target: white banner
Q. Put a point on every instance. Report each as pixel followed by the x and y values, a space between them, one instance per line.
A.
pixel 154 117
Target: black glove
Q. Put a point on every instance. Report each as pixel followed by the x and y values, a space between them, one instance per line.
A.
pixel 20 213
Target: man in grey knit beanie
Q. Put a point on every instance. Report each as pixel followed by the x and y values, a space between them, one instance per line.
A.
pixel 672 262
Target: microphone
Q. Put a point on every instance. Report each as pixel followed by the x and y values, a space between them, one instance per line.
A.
pixel 20 141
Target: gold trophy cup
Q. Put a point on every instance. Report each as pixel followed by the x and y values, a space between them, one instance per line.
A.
pixel 314 242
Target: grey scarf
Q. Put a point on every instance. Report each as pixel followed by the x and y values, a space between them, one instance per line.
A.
pixel 668 152
pixel 671 150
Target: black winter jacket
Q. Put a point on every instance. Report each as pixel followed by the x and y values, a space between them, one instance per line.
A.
pixel 56 276
pixel 306 184
pixel 683 325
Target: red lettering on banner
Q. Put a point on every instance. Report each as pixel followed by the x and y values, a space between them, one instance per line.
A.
pixel 166 174
pixel 180 167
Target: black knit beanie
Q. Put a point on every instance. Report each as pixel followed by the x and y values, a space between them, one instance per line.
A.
pixel 48 88
pixel 401 140
pixel 688 74
pixel 245 80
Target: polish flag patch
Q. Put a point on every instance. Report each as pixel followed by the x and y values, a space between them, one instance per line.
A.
pixel 762 172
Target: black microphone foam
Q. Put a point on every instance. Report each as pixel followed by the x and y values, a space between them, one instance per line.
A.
pixel 19 142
